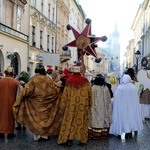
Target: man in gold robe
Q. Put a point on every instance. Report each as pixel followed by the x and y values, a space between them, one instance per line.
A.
pixel 76 100
pixel 37 107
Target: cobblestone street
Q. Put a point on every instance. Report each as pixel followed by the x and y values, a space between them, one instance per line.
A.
pixel 24 141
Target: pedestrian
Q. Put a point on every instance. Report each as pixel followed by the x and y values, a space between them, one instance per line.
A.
pixel 143 94
pixel 101 110
pixel 139 86
pixel 66 75
pixel 76 100
pixel 22 82
pixel 49 71
pixel 56 77
pixel 107 84
pixel 38 106
pixel 8 92
pixel 58 83
pixel 126 116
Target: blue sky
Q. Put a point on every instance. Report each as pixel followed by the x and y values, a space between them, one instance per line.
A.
pixel 105 13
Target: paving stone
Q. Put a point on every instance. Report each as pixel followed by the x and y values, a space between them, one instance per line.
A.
pixel 24 141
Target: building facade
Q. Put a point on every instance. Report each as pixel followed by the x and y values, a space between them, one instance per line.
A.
pixel 13 35
pixel 141 29
pixel 62 33
pixel 42 31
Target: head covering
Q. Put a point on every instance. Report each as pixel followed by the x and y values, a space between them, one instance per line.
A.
pixel 99 80
pixel 67 73
pixel 126 79
pixel 26 76
pixel 9 71
pixel 75 69
pixel 49 69
pixel 130 71
pixel 40 69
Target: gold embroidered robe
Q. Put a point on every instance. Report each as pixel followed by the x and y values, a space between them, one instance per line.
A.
pixel 76 100
pixel 38 106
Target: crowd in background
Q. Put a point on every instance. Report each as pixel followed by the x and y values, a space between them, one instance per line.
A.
pixel 65 103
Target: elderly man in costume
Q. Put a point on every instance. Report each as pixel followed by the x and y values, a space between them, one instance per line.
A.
pixel 37 106
pixel 76 100
pixel 126 116
pixel 8 92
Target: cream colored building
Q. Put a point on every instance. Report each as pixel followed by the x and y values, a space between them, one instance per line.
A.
pixel 13 35
pixel 69 12
pixel 62 33
pixel 42 31
pixel 141 29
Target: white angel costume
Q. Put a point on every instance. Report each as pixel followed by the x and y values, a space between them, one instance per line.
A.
pixel 126 115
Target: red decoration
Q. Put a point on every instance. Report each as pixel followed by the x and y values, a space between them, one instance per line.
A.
pixel 85 41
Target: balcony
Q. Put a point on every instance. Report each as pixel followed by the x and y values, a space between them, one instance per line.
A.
pixel 65 56
pixel 13 32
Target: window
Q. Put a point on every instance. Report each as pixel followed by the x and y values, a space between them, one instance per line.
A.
pixel 53 17
pixel 49 11
pixel 41 34
pixel 52 44
pixel 48 43
pixel 33 36
pixel 41 6
pixel 19 19
pixel 9 15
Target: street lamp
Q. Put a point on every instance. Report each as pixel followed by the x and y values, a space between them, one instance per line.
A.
pixel 137 55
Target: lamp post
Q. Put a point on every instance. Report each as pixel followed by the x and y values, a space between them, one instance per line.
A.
pixel 137 54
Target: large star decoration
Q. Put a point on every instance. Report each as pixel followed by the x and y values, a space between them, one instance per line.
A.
pixel 84 41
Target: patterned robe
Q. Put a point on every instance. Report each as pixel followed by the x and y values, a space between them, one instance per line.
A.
pixel 100 112
pixel 8 92
pixel 76 100
pixel 38 106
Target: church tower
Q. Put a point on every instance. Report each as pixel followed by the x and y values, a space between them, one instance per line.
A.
pixel 115 50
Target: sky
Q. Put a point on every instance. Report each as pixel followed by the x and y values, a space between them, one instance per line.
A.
pixel 106 13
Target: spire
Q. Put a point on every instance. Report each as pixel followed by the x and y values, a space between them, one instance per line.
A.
pixel 115 33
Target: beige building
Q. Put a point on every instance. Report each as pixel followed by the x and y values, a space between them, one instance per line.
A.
pixel 62 33
pixel 69 12
pixel 13 35
pixel 42 31
pixel 141 29
pixel 37 28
